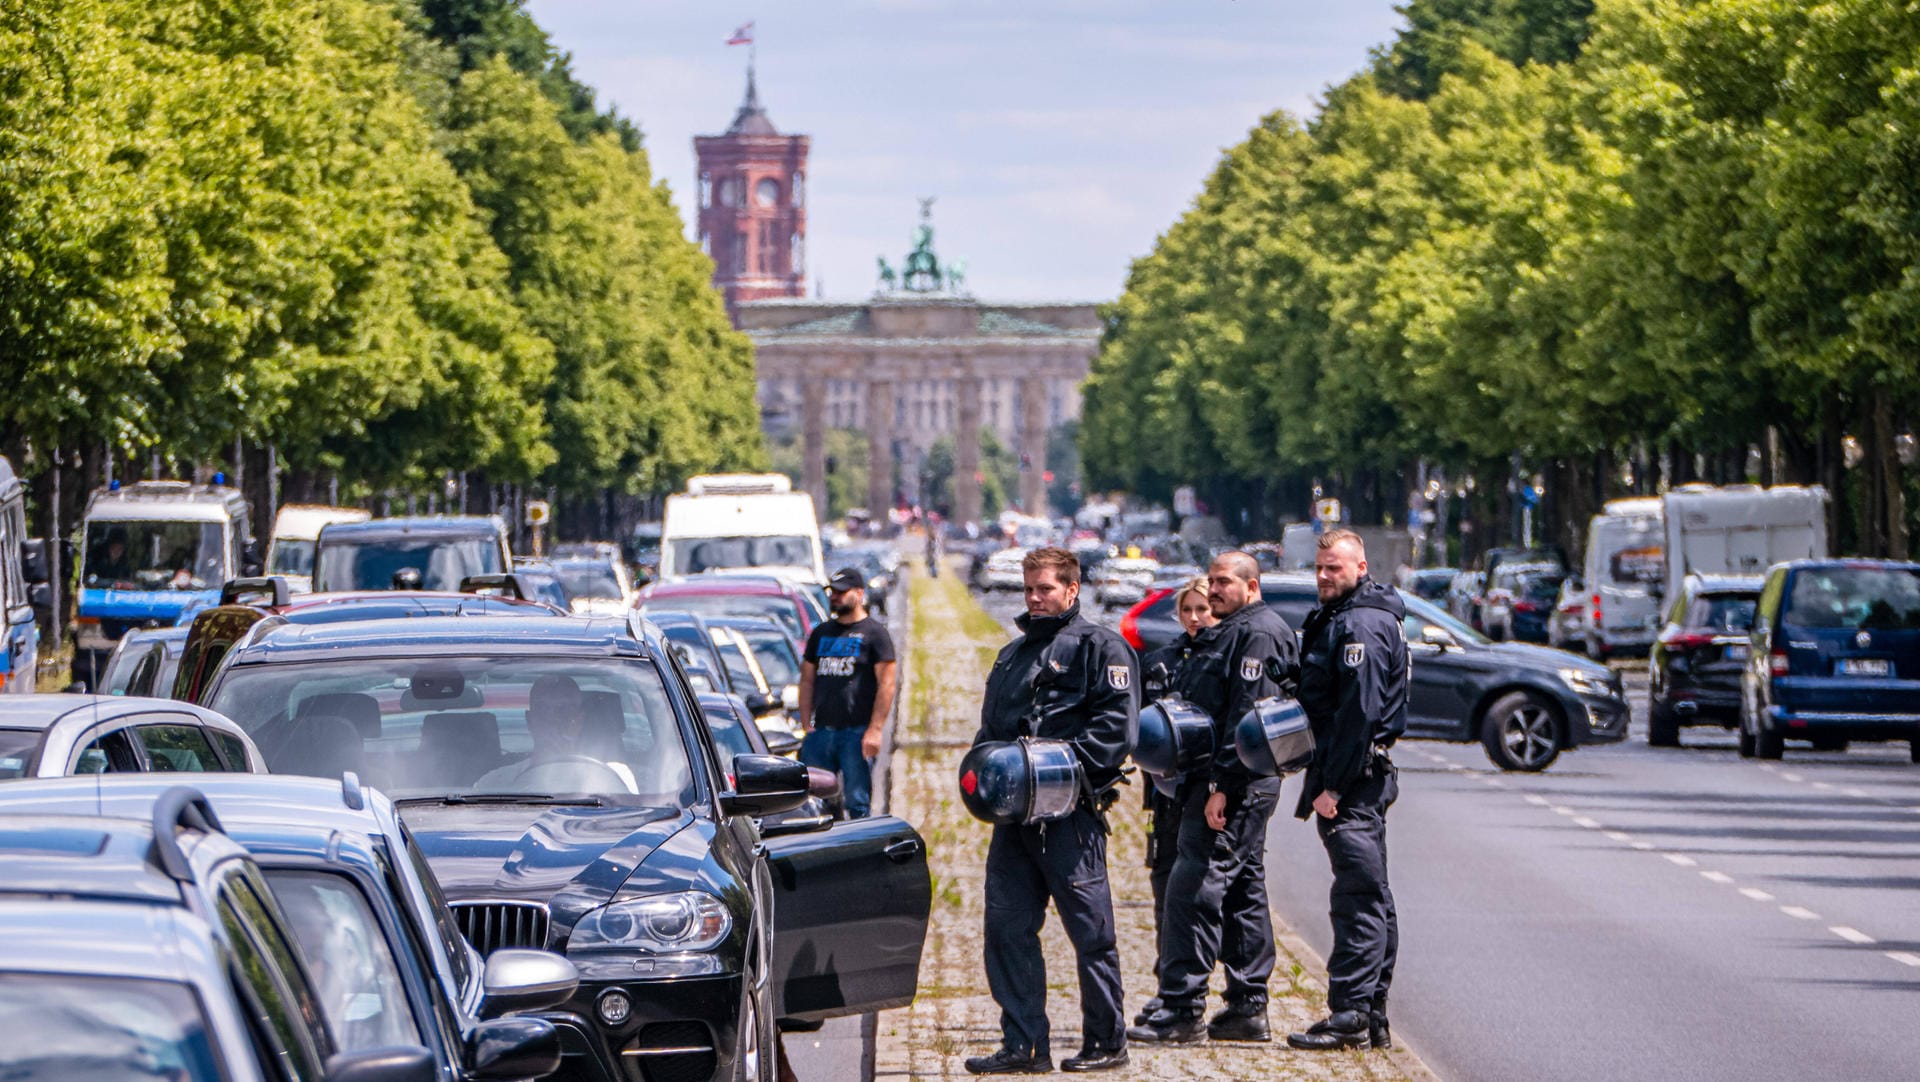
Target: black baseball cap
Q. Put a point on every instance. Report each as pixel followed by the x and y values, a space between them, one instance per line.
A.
pixel 847 578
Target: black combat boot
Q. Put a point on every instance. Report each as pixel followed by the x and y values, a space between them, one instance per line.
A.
pixel 1379 1034
pixel 1341 1029
pixel 1146 1011
pixel 1095 1058
pixel 1011 1061
pixel 1241 1020
pixel 1171 1025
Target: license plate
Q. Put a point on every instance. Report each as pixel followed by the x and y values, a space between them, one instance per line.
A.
pixel 1737 652
pixel 1864 666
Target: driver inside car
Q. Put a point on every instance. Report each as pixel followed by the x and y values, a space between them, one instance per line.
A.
pixel 556 716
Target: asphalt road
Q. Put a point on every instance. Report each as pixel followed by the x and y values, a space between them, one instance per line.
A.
pixel 1635 912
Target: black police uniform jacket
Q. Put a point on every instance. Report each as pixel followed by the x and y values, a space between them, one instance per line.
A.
pixel 1066 679
pixel 1353 686
pixel 1247 656
pixel 1172 657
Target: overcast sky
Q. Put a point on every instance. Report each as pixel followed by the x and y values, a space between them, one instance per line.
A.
pixel 1059 136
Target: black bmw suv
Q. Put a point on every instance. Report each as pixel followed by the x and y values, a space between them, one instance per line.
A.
pixel 560 778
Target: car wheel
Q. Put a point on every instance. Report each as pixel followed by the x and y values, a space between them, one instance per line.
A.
pixel 1913 750
pixel 1768 745
pixel 756 1060
pixel 1745 742
pixel 1521 732
pixel 1663 728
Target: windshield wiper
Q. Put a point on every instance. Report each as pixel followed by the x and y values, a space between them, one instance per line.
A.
pixel 505 798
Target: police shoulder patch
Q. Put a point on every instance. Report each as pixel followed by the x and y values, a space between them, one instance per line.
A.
pixel 1120 677
pixel 1249 668
pixel 1356 653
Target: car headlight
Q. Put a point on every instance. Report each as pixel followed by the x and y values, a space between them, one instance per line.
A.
pixel 876 582
pixel 1586 683
pixel 691 920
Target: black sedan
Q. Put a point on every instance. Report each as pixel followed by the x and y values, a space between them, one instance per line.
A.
pixel 558 775
pixel 1694 667
pixel 1525 704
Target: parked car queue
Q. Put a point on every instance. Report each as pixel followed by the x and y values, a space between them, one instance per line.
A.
pixel 741 907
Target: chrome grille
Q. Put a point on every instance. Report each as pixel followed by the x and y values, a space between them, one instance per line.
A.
pixel 490 926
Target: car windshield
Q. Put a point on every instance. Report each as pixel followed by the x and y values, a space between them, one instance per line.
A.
pixel 590 579
pixel 116 1028
pixel 291 557
pixel 352 964
pixel 1724 612
pixel 1418 610
pixel 153 555
pixel 370 565
pixel 692 555
pixel 775 654
pixel 16 751
pixel 474 726
pixel 1863 598
pixel 772 605
pixel 1543 586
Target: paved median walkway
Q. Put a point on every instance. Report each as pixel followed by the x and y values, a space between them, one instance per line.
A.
pixel 952 643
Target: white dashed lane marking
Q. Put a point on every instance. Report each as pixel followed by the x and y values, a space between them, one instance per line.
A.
pixel 1590 824
pixel 1721 878
pixel 1799 913
pixel 1851 935
pixel 1683 861
pixel 1905 958
pixel 1756 894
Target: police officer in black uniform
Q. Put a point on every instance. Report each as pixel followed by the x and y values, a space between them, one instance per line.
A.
pixel 1161 669
pixel 1217 896
pixel 1353 686
pixel 1064 679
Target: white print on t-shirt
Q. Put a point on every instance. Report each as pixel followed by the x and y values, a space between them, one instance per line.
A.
pixel 837 666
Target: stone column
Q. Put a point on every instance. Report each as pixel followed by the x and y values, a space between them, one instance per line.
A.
pixel 966 450
pixel 813 437
pixel 879 449
pixel 1033 442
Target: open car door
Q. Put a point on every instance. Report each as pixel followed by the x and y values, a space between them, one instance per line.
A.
pixel 849 917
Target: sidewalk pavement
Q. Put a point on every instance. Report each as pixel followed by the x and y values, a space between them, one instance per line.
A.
pixel 951 644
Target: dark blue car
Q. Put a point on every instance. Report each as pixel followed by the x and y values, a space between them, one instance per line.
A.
pixel 1835 657
pixel 559 776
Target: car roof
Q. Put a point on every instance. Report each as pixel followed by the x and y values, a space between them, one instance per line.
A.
pixel 1719 584
pixel 101 937
pixel 44 711
pixel 381 529
pixel 443 635
pixel 739 621
pixel 1862 562
pixel 88 856
pixel 719 585
pixel 282 813
pixel 176 501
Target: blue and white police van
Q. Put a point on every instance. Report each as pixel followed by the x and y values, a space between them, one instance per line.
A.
pixel 150 552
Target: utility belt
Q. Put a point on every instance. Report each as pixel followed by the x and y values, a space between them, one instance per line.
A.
pixel 1379 761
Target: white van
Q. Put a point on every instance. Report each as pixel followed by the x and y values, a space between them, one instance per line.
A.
pixel 733 521
pixel 1624 572
pixel 296 528
pixel 1741 529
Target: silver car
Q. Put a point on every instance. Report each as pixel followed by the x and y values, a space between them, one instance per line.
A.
pixel 52 736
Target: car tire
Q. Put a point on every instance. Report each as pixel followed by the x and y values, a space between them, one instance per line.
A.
pixel 1768 745
pixel 1745 741
pixel 1521 732
pixel 1663 728
pixel 1913 750
pixel 757 1058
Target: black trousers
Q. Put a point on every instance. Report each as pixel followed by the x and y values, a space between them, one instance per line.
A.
pixel 1366 933
pixel 1066 861
pixel 1163 841
pixel 1216 907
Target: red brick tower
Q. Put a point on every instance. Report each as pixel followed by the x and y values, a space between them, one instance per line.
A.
pixel 753 208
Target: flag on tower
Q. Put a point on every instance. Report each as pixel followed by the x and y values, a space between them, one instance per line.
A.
pixel 742 36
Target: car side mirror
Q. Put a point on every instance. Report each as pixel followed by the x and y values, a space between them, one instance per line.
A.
pixel 781 742
pixel 525 980
pixel 761 704
pixel 1438 637
pixel 400 1063
pixel 33 561
pixel 512 1048
pixel 765 785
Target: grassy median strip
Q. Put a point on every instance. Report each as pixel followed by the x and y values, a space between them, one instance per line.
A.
pixel 952 645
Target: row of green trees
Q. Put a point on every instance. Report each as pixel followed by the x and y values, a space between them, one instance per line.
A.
pixel 390 239
pixel 1606 242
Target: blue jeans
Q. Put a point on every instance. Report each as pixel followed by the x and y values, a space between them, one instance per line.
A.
pixel 838 750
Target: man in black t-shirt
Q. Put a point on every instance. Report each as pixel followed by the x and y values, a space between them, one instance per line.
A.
pixel 847 681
